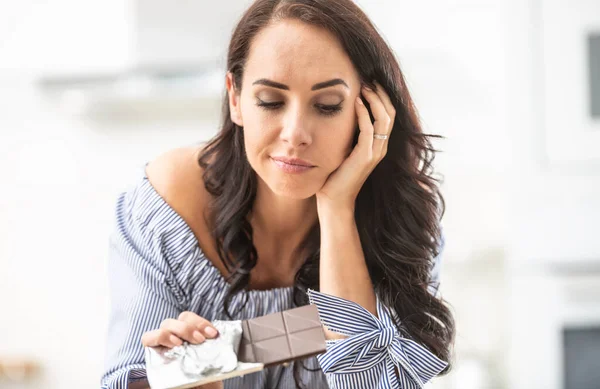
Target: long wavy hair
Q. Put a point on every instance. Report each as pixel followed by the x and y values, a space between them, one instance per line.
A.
pixel 398 209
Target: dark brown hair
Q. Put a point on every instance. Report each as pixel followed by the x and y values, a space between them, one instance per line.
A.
pixel 398 209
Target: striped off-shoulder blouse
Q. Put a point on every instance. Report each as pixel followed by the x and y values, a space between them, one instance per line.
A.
pixel 158 270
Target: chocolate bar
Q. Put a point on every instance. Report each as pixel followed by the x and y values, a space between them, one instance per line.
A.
pixel 282 337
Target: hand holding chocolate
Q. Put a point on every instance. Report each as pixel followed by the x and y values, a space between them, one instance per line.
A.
pixel 242 347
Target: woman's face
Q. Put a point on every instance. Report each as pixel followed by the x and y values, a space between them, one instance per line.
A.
pixel 297 101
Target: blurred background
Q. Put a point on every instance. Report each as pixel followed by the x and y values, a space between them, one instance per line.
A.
pixel 90 91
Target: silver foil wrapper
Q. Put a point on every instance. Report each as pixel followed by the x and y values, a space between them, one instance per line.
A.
pixel 191 365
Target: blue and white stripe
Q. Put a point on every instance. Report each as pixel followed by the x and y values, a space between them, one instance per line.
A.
pixel 157 270
pixel 373 343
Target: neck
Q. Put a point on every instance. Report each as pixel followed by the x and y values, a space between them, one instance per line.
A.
pixel 281 223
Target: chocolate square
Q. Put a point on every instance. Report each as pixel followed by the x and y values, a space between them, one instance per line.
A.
pixel 282 337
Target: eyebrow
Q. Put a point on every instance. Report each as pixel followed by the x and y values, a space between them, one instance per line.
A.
pixel 320 85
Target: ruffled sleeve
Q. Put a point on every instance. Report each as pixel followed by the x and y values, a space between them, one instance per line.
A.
pixel 374 348
pixel 150 279
pixel 374 354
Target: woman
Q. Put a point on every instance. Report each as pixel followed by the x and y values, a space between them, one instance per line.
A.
pixel 320 179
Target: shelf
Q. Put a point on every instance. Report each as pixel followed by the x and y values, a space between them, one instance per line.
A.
pixel 134 91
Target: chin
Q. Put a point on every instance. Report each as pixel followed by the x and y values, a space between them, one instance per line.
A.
pixel 296 189
pixel 292 191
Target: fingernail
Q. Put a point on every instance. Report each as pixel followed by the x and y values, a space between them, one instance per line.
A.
pixel 359 100
pixel 199 337
pixel 211 332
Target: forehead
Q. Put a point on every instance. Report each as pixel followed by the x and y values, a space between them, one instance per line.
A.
pixel 298 55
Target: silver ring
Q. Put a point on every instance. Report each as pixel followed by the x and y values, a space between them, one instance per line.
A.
pixel 380 136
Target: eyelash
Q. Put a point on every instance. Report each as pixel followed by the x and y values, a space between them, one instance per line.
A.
pixel 327 110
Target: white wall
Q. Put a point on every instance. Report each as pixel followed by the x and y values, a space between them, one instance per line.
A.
pixel 63 35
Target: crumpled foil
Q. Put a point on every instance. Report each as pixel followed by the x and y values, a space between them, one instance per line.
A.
pixel 197 363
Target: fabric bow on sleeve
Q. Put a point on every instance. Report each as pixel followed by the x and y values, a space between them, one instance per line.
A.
pixel 371 341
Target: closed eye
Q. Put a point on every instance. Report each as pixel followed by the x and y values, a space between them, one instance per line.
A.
pixel 326 110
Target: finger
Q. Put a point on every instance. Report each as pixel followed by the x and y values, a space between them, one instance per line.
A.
pixel 380 114
pixel 167 339
pixel 183 330
pixel 160 338
pixel 387 102
pixel 365 136
pixel 200 323
pixel 389 107
pixel 378 146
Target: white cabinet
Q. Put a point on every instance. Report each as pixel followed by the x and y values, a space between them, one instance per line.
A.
pixel 71 36
pixel 569 61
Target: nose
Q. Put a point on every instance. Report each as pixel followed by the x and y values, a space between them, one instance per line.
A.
pixel 295 129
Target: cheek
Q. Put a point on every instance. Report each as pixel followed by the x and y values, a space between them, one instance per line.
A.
pixel 258 141
pixel 253 143
pixel 337 146
pixel 254 135
pixel 348 136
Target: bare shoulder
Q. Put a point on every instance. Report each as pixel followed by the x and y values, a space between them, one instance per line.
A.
pixel 177 178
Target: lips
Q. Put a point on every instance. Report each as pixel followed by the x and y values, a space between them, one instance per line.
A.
pixel 293 161
pixel 292 165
